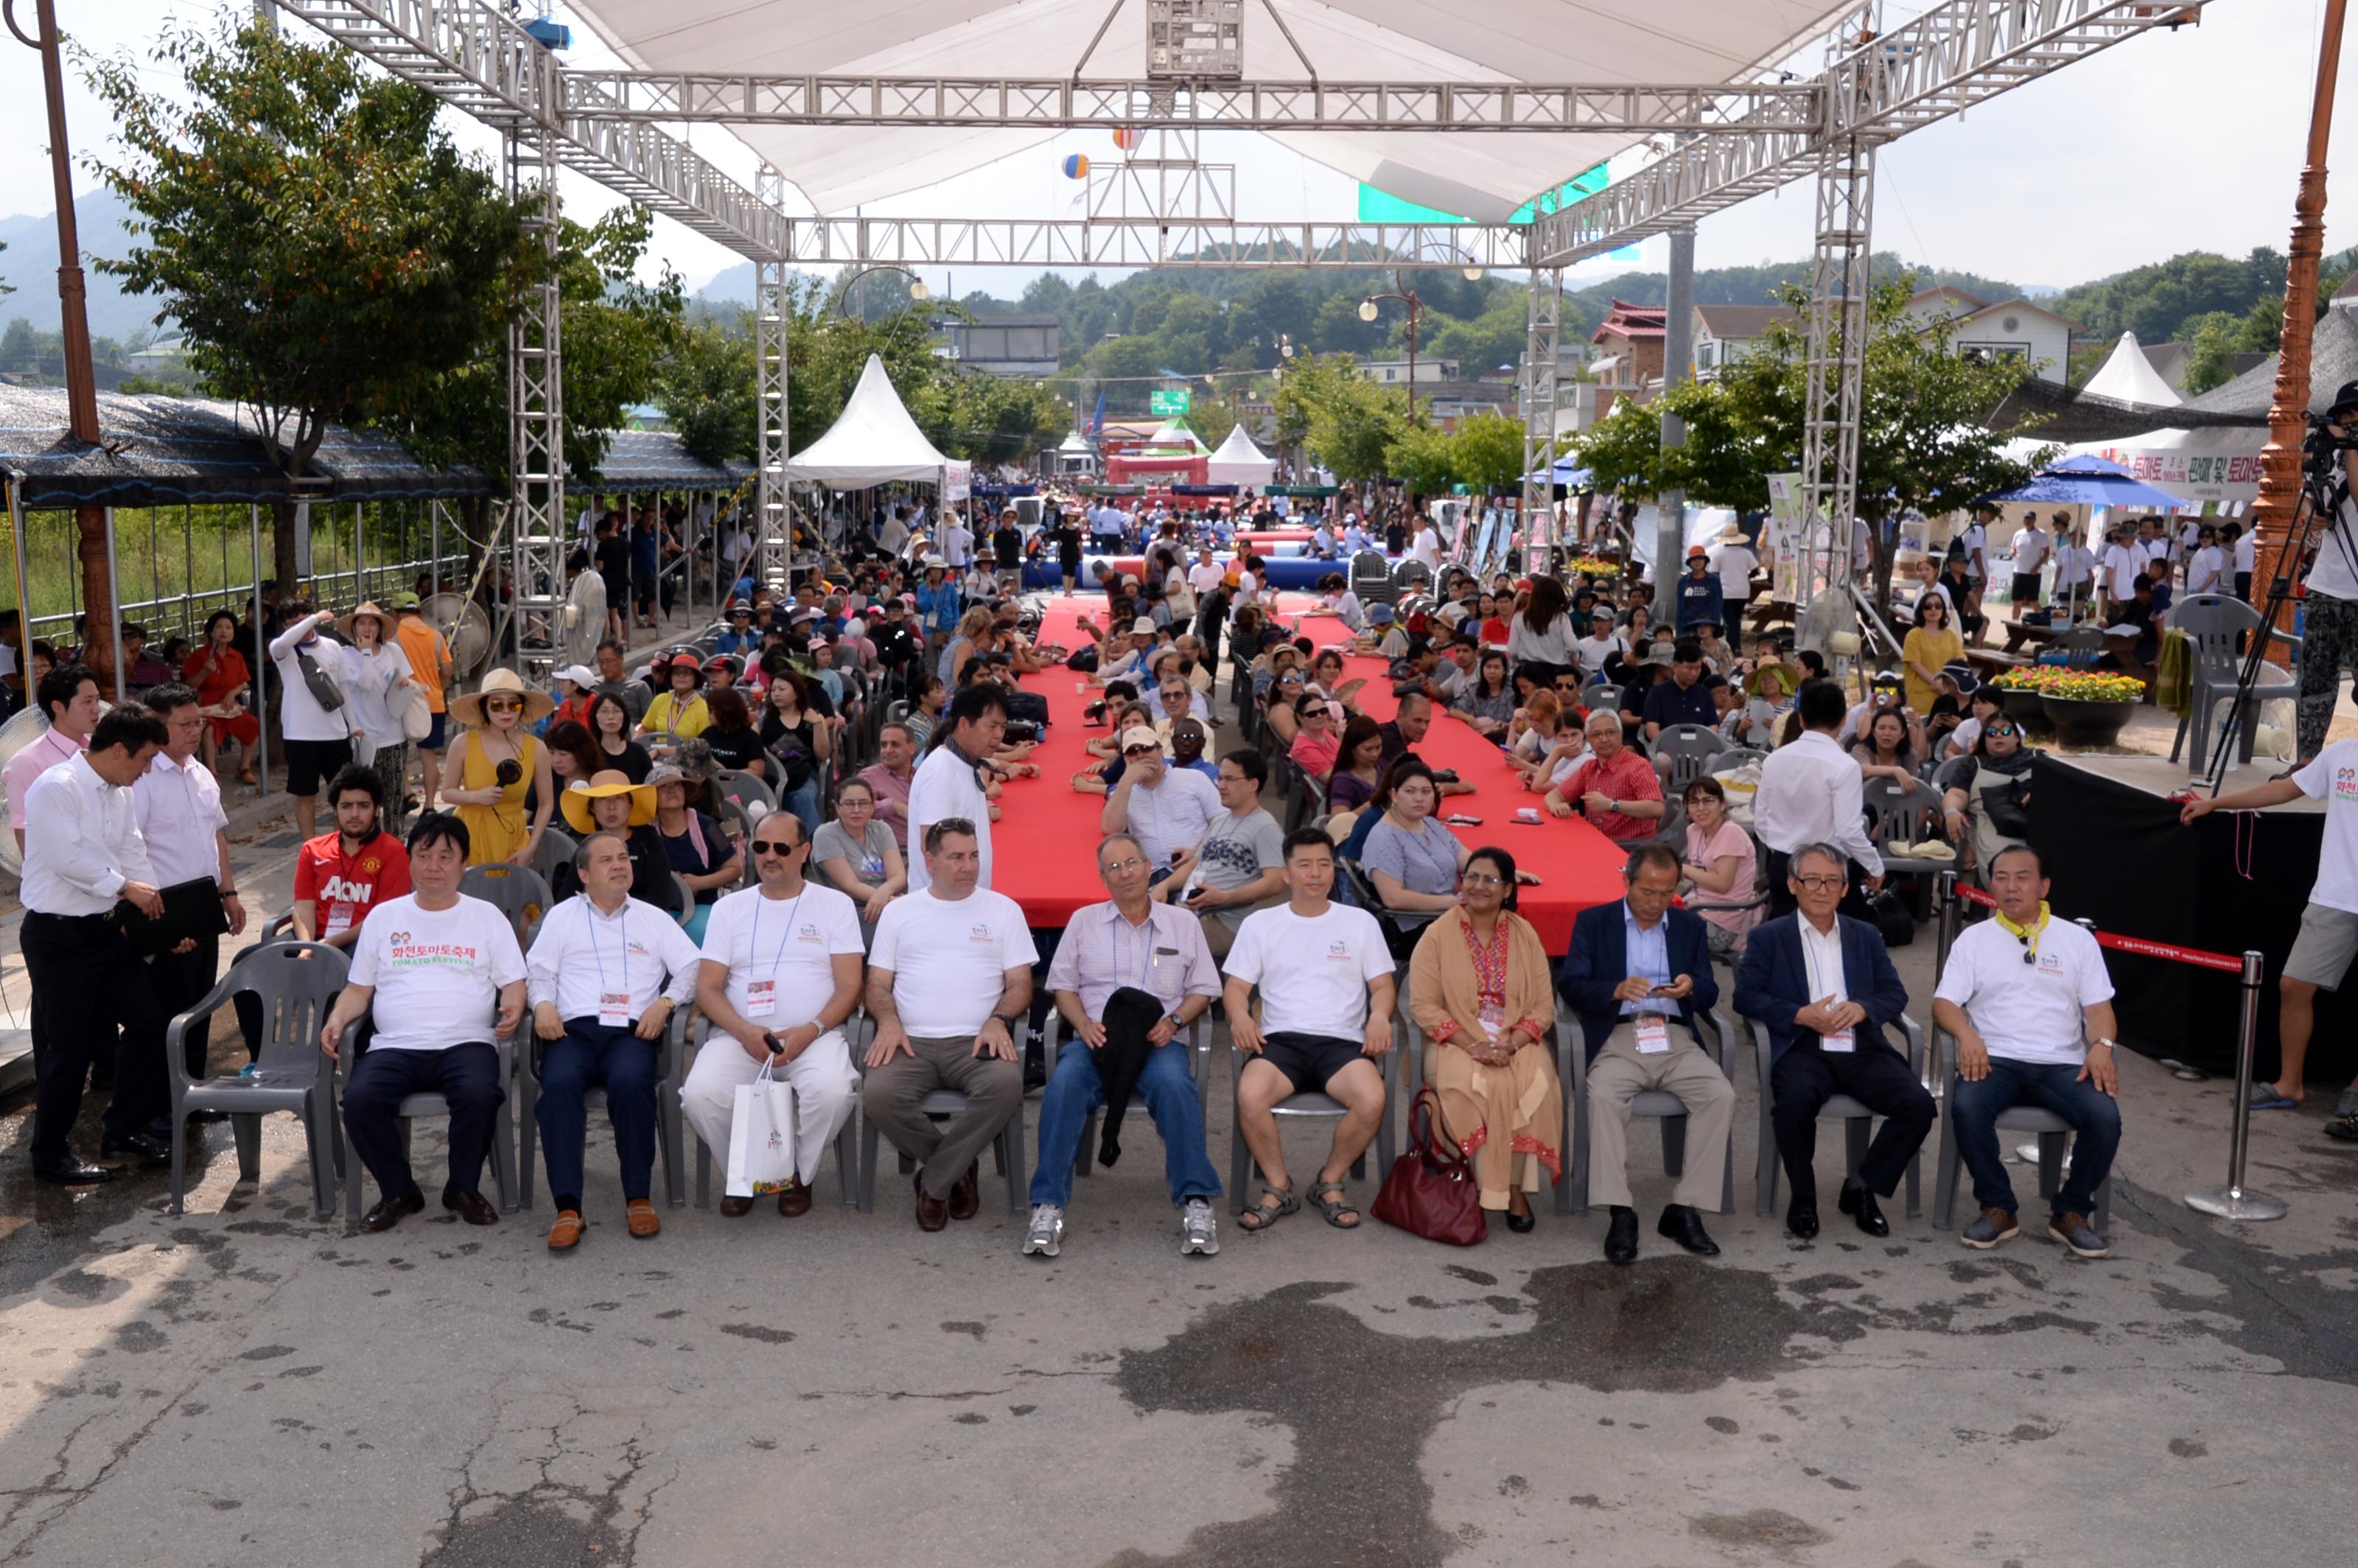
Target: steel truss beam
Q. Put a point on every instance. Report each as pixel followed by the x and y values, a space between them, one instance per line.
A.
pixel 1142 241
pixel 537 424
pixel 1836 366
pixel 774 522
pixel 1954 55
pixel 1542 340
pixel 754 100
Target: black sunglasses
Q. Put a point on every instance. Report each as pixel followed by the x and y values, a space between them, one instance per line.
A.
pixel 776 847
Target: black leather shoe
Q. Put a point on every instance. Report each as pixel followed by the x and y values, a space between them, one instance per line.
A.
pixel 1858 1202
pixel 1683 1225
pixel 73 1172
pixel 135 1146
pixel 468 1206
pixel 1801 1220
pixel 1521 1224
pixel 1621 1237
pixel 390 1212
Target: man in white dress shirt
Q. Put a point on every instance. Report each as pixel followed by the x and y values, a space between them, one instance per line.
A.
pixel 947 784
pixel 604 976
pixel 779 976
pixel 1813 793
pixel 187 833
pixel 83 856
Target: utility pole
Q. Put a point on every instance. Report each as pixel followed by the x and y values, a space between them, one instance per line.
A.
pixel 2272 514
pixel 1678 348
pixel 98 645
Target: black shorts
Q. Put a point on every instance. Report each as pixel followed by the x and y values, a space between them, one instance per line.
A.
pixel 2026 587
pixel 1309 1061
pixel 309 762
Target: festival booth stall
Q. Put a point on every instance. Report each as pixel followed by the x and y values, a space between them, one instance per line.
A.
pixel 875 442
pixel 1238 461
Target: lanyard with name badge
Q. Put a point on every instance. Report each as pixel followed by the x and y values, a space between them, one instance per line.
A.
pixel 762 996
pixel 1840 1042
pixel 613 1006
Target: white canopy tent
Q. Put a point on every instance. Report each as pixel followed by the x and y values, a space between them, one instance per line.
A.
pixel 1238 461
pixel 1482 177
pixel 2127 376
pixel 875 441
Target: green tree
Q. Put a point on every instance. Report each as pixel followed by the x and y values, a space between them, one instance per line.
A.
pixel 326 253
pixel 1346 421
pixel 17 346
pixel 1488 450
pixel 706 389
pixel 1424 457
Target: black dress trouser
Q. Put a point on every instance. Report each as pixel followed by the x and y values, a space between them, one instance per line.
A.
pixel 1805 1077
pixel 91 997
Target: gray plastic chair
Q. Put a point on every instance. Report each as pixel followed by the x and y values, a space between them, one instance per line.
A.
pixel 668 1119
pixel 518 891
pixel 1310 1104
pixel 1904 815
pixel 2052 1130
pixel 503 1135
pixel 1692 749
pixel 1858 1123
pixel 1007 1149
pixel 296 984
pixel 1199 1046
pixel 1371 577
pixel 556 848
pixel 1572 1068
pixel 1410 576
pixel 745 789
pixel 2217 628
pixel 847 1142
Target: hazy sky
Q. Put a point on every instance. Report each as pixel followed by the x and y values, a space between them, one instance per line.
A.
pixel 2167 143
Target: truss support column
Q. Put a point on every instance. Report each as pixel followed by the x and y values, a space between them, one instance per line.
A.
pixel 773 531
pixel 1678 349
pixel 537 543
pixel 1536 519
pixel 1836 366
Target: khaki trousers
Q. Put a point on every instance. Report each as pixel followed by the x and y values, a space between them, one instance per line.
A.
pixel 1686 1070
pixel 943 1150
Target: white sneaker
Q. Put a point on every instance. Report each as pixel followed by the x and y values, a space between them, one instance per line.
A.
pixel 1047 1230
pixel 1199 1229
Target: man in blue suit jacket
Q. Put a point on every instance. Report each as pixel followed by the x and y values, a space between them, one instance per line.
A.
pixel 1637 973
pixel 1825 987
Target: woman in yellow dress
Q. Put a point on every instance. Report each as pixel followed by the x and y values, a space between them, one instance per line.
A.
pixel 498 761
pixel 1932 644
pixel 1482 990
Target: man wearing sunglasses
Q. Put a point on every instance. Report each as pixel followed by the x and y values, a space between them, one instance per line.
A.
pixel 780 974
pixel 1166 808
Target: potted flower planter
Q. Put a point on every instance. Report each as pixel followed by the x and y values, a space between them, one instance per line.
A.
pixel 2028 708
pixel 2080 721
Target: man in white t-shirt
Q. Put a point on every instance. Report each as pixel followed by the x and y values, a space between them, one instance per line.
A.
pixel 1326 980
pixel 2123 561
pixel 1601 643
pixel 604 976
pixel 947 786
pixel 441 978
pixel 1164 808
pixel 2026 999
pixel 2030 554
pixel 2206 565
pixel 949 981
pixel 779 976
pixel 1734 562
pixel 2328 927
pixel 1426 546
pixel 2246 552
pixel 1975 543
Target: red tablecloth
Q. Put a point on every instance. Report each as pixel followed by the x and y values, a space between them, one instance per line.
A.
pixel 1043 848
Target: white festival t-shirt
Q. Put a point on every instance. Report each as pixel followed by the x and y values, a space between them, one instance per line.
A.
pixel 949 958
pixel 786 944
pixel 1312 972
pixel 2333 779
pixel 437 973
pixel 2028 1012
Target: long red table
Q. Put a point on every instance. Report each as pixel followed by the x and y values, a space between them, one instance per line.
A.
pixel 1043 848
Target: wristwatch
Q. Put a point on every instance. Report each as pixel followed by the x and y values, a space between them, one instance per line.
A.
pixel 2108 1043
pixel 1008 1023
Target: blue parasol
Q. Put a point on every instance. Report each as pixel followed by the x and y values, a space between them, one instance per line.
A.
pixel 2088 480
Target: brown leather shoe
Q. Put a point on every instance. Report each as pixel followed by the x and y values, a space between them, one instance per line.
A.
pixel 735 1208
pixel 793 1199
pixel 565 1234
pixel 965 1198
pixel 931 1215
pixel 389 1212
pixel 468 1206
pixel 640 1219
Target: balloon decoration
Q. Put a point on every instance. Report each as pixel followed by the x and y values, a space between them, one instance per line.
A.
pixel 1076 166
pixel 1128 139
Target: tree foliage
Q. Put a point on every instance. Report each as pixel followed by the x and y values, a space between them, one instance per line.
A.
pixel 1486 451
pixel 1346 421
pixel 2158 300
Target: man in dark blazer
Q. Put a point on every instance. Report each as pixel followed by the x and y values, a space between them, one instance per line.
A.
pixel 1638 973
pixel 1824 986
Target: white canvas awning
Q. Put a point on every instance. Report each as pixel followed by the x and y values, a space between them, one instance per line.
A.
pixel 875 441
pixel 2127 376
pixel 1238 461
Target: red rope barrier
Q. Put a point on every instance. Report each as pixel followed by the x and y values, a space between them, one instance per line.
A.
pixel 2138 944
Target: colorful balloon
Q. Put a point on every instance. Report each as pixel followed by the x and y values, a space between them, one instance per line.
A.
pixel 1128 139
pixel 1076 166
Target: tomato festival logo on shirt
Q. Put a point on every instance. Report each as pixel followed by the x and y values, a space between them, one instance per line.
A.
pixel 1339 951
pixel 808 933
pixel 450 955
pixel 979 932
pixel 2345 783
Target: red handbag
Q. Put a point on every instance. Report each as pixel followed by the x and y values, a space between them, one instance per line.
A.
pixel 1431 1191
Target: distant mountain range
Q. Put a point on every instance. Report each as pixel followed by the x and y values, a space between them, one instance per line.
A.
pixel 29 267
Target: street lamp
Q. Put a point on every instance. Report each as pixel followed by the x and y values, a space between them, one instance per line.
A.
pixel 918 292
pixel 1367 312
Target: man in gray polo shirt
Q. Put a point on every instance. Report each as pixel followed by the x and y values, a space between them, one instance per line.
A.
pixel 1238 862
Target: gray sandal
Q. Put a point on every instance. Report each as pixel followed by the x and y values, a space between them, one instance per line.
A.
pixel 1261 1217
pixel 1335 1209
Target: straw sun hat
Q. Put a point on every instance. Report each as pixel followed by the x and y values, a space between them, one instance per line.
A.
pixel 598 786
pixel 367 607
pixel 469 710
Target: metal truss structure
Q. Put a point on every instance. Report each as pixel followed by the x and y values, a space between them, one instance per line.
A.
pixel 536 528
pixel 1731 141
pixel 1541 341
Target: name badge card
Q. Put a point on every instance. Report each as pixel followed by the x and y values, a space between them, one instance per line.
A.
pixel 613 1008
pixel 761 998
pixel 1837 1041
pixel 1653 1034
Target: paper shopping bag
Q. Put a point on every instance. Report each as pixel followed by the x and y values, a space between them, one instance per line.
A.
pixel 761 1137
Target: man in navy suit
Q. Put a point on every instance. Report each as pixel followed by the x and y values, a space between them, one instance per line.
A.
pixel 1638 973
pixel 1825 987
